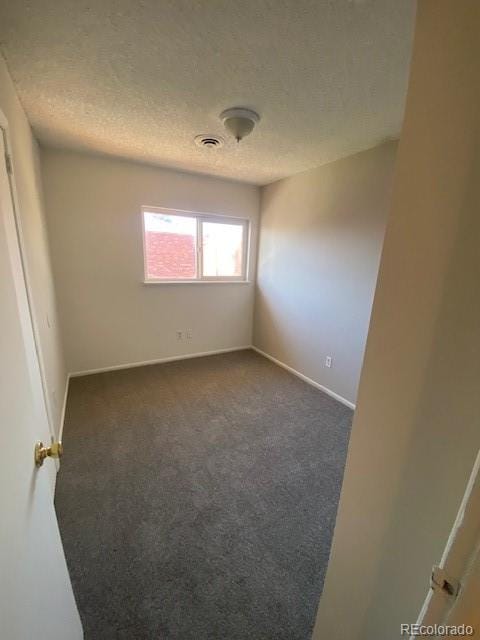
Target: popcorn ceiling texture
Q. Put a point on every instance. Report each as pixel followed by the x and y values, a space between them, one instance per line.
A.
pixel 139 79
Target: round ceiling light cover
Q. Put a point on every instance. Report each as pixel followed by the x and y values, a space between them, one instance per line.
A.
pixel 239 121
pixel 209 141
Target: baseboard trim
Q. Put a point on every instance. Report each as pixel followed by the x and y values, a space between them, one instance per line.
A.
pixel 131 365
pixel 305 378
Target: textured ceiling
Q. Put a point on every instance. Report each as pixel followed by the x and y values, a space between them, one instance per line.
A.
pixel 140 78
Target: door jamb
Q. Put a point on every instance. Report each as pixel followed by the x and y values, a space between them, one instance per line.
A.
pixel 469 502
pixel 5 132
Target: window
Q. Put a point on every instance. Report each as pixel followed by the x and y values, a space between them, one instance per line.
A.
pixel 181 246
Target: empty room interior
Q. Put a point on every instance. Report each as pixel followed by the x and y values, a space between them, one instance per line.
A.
pixel 241 318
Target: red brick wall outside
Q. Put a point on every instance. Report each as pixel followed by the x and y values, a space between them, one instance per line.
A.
pixel 170 255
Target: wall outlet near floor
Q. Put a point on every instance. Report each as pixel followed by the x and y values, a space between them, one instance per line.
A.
pixel 328 361
pixel 184 335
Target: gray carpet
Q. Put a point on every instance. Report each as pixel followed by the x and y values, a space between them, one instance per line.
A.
pixel 197 499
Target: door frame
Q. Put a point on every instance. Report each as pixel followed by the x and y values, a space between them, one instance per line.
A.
pixel 461 554
pixel 10 162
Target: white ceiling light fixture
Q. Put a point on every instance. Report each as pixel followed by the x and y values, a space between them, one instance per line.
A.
pixel 239 121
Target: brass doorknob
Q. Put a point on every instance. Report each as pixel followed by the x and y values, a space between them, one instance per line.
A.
pixel 55 450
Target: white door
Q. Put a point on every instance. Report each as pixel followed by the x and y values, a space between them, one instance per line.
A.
pixel 454 598
pixel 36 598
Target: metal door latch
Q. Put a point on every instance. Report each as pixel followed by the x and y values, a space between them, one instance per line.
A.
pixel 440 581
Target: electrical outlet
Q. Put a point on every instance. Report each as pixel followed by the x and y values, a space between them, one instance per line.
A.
pixel 179 335
pixel 328 361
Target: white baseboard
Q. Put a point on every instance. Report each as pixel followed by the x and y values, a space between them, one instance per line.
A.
pixel 305 378
pixel 131 365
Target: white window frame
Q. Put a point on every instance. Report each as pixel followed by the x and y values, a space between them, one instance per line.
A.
pixel 200 218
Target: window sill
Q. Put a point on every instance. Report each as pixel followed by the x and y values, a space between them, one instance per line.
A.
pixel 197 282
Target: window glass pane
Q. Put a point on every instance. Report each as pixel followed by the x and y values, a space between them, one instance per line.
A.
pixel 170 246
pixel 222 249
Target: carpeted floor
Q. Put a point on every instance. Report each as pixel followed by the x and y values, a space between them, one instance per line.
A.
pixel 197 499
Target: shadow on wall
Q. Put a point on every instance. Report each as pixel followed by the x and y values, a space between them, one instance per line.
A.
pixel 276 330
pixel 321 238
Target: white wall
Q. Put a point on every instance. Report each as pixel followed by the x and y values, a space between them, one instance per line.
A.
pixel 416 429
pixel 25 157
pixel 109 317
pixel 321 237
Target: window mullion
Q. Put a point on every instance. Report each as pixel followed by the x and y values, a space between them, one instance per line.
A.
pixel 246 249
pixel 199 249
